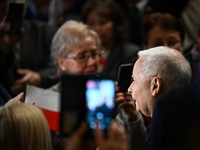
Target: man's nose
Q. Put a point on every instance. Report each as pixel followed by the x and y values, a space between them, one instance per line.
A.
pixel 129 89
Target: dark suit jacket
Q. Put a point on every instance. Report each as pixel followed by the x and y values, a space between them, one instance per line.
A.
pixel 176 119
pixel 146 143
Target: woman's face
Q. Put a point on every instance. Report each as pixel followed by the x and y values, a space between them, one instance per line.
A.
pixel 103 26
pixel 76 63
pixel 160 37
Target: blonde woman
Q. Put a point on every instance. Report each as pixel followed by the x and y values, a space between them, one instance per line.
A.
pixel 23 127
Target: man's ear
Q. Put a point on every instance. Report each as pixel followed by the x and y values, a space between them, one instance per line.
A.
pixel 62 63
pixel 155 86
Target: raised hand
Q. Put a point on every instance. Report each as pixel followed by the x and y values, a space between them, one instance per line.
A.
pixel 116 140
pixel 28 77
pixel 126 102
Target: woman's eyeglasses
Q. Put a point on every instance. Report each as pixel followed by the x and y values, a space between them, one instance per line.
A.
pixel 82 58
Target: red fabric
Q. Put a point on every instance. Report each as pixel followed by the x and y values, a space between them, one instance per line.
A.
pixel 53 119
pixel 102 62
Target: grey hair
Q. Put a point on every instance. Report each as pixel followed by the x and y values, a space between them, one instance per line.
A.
pixel 71 35
pixel 167 64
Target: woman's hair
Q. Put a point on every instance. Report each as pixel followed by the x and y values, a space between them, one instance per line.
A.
pixel 165 21
pixel 71 35
pixel 108 9
pixel 23 127
pixel 166 64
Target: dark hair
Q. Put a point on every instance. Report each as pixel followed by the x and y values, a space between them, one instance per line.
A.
pixel 165 21
pixel 108 9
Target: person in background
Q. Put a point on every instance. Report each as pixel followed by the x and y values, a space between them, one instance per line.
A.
pixel 76 50
pixel 134 16
pixel 107 19
pixel 24 127
pixel 25 57
pixel 157 70
pixel 162 30
pixel 192 54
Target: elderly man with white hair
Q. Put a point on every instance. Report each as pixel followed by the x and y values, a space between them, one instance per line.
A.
pixel 157 70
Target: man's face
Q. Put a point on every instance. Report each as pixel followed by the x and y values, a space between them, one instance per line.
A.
pixel 140 89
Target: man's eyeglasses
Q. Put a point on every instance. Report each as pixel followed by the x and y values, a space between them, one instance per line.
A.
pixel 82 58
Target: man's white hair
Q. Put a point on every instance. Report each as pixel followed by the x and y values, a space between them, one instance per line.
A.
pixel 167 64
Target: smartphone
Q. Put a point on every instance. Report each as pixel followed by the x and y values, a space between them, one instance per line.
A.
pixel 86 98
pixel 100 94
pixel 15 14
pixel 124 77
pixel 73 104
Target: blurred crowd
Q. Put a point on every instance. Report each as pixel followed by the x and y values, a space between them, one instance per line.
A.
pixel 161 38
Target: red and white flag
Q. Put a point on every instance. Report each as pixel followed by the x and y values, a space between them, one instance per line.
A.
pixel 48 101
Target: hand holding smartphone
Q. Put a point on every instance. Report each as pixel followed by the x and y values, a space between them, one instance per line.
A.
pixel 89 98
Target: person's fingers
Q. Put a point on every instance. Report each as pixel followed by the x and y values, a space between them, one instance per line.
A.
pixel 16 99
pixel 82 129
pixel 127 95
pixel 119 97
pixel 4 24
pixel 24 79
pixel 22 71
pixel 126 104
pixel 117 132
pixel 99 135
pixel 20 81
pixel 33 103
pixel 20 97
pixel 119 94
pixel 4 27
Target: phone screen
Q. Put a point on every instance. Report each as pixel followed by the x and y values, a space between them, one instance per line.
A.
pixel 15 16
pixel 100 93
